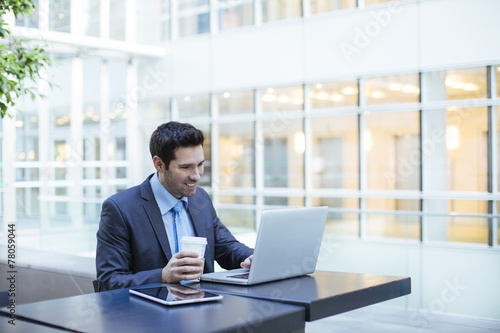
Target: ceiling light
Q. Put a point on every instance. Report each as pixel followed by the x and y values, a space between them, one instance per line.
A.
pixel 349 91
pixel 336 98
pixel 458 85
pixel 270 90
pixel 452 137
pixel 377 94
pixel 395 87
pixel 227 95
pixel 322 96
pixel 269 98
pixel 409 89
pixel 283 99
pixel 319 86
pixel 300 142
pixel 470 87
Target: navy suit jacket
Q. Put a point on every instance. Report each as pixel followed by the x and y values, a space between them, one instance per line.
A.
pixel 132 244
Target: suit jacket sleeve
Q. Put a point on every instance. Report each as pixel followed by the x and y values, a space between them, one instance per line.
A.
pixel 115 256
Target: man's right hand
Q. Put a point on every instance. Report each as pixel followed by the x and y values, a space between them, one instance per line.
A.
pixel 184 265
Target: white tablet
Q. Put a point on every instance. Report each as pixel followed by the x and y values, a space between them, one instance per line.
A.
pixel 174 294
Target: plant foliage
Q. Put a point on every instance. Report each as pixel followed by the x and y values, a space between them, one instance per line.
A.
pixel 19 61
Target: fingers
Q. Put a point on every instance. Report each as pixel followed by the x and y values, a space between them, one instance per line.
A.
pixel 184 265
pixel 247 263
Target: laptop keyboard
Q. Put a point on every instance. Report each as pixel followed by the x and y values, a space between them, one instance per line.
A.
pixel 239 276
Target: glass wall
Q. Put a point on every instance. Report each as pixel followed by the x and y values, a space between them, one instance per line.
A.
pixel 333 94
pixel 274 10
pixel 193 17
pixel 117 24
pixel 236 156
pixel 91 17
pixel 60 15
pixel 322 6
pixel 234 14
pixel 335 152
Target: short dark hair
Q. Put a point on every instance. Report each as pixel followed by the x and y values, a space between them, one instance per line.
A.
pixel 169 136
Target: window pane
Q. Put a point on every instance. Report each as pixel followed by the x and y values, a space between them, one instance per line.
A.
pixel 467 146
pixel 335 152
pixel 27 130
pixel 59 15
pixel 403 226
pixel 153 21
pixel 322 6
pixel 193 17
pixel 392 89
pixel 281 100
pixel 237 220
pixel 497 74
pixel 233 14
pixel 236 155
pixel 91 17
pixel 274 10
pixel 457 228
pixel 284 201
pixel 241 102
pixel 60 119
pixel 392 145
pixel 283 153
pixel 193 106
pixel 91 109
pixel 237 199
pixel 373 2
pixel 156 112
pixel 455 84
pixel 498 142
pixel 340 223
pixel 91 210
pixel 27 208
pixel 393 226
pixel 29 21
pixel 117 19
pixel 333 94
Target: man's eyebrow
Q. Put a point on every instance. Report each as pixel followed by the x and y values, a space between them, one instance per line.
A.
pixel 189 164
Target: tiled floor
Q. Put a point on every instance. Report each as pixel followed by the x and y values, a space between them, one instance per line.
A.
pixel 384 319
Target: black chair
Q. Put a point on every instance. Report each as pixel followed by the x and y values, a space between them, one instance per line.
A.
pixel 4 299
pixel 96 286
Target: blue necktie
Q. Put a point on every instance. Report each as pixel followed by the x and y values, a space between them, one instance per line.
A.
pixel 177 224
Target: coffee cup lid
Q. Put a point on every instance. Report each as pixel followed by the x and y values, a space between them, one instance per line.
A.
pixel 200 240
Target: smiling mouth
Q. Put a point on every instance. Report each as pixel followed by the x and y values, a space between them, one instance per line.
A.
pixel 191 184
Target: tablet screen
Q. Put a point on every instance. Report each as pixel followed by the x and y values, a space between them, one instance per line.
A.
pixel 175 294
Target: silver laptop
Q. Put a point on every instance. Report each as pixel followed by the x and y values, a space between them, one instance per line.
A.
pixel 288 243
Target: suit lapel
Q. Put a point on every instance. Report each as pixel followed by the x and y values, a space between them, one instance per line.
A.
pixel 154 215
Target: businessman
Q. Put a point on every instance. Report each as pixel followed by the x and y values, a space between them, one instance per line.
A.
pixel 140 228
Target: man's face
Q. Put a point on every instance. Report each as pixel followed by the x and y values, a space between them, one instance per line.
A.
pixel 184 172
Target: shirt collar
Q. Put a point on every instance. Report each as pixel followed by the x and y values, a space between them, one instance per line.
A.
pixel 164 199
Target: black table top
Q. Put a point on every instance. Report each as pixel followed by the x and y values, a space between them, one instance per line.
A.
pixel 323 293
pixel 118 311
pixel 23 326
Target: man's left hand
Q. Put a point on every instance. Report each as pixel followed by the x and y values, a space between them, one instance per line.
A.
pixel 247 263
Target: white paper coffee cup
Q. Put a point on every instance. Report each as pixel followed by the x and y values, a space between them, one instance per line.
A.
pixel 195 244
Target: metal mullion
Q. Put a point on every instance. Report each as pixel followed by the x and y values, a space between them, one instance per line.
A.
pixel 362 159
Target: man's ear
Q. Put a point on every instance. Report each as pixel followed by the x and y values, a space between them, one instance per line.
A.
pixel 158 163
